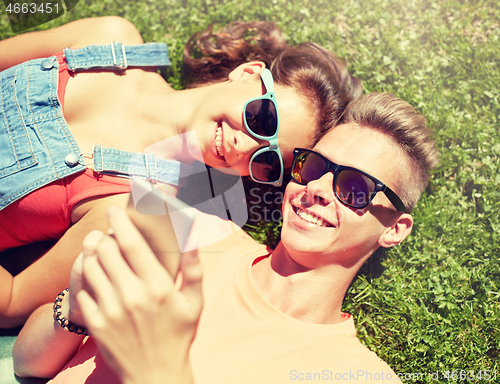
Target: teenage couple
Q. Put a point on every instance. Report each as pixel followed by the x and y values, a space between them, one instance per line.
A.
pixel 269 315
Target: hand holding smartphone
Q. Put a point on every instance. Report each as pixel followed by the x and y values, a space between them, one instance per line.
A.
pixel 139 315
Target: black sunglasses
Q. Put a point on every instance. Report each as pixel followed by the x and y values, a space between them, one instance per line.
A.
pixel 262 122
pixel 353 187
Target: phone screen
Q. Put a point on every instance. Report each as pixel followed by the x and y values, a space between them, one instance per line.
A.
pixel 163 220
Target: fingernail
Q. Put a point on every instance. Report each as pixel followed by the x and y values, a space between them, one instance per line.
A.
pixel 90 242
pixel 79 261
pixel 112 211
pixel 192 256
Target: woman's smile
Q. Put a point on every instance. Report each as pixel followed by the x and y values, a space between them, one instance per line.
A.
pixel 218 141
pixel 219 147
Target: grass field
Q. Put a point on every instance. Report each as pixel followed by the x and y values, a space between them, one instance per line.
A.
pixel 433 303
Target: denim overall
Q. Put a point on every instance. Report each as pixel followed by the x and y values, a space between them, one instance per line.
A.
pixel 36 144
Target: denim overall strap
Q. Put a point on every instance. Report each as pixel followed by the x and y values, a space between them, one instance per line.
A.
pixel 116 56
pixel 146 165
pixel 35 140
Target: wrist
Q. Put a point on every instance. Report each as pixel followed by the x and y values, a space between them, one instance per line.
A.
pixel 70 313
pixel 176 369
pixel 163 376
pixel 65 307
pixel 61 315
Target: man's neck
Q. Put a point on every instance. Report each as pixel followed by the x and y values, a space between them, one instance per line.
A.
pixel 309 295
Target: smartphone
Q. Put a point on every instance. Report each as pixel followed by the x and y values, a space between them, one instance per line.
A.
pixel 163 220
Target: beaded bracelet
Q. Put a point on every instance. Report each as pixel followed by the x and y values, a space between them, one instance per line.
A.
pixel 63 322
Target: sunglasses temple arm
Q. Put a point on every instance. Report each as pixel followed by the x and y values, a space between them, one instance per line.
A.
pixel 267 79
pixel 394 199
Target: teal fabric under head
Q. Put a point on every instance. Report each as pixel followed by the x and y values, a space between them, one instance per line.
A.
pixel 6 366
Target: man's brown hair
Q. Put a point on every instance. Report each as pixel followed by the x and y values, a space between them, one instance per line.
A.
pixel 407 128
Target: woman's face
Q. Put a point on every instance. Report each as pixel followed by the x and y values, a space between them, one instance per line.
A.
pixel 224 140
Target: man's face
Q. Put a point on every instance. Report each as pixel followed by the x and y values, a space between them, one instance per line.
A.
pixel 347 236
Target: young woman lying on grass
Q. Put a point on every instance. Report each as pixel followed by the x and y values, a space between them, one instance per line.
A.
pixel 73 118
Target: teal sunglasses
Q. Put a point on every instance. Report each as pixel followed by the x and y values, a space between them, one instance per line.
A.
pixel 262 122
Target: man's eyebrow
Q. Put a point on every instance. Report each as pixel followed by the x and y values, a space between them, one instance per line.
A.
pixel 323 154
pixel 340 163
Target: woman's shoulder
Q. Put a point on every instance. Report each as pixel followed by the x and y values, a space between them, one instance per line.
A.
pixel 103 30
pixel 79 33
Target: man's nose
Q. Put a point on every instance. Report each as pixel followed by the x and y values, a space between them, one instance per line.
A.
pixel 321 189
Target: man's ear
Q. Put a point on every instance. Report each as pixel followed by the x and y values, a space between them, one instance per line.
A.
pixel 395 234
pixel 247 70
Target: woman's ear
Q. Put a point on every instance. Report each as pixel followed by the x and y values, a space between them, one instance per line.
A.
pixel 247 70
pixel 396 233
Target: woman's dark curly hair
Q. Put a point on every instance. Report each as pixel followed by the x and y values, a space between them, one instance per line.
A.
pixel 312 71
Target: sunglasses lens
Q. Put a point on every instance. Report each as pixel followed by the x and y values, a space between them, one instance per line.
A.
pixel 308 167
pixel 261 117
pixel 354 188
pixel 266 166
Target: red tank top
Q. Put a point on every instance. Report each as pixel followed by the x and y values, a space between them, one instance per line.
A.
pixel 64 76
pixel 45 214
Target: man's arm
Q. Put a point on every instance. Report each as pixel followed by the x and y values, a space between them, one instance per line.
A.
pixel 98 30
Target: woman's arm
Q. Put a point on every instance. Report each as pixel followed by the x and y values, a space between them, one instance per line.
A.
pixel 43 347
pixel 45 278
pixel 97 30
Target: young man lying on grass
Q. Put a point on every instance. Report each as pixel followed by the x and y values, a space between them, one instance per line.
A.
pixel 269 316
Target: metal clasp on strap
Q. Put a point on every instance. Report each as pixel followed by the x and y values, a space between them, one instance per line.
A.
pixel 86 155
pixel 97 152
pixel 151 175
pixel 125 65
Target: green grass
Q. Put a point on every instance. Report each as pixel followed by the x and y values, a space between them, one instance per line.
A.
pixel 433 303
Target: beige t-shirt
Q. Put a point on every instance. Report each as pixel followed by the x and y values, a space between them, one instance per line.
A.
pixel 243 339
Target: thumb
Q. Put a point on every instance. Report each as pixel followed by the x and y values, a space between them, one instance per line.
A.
pixel 78 265
pixel 191 278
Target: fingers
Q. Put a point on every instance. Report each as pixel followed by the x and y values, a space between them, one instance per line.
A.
pixel 88 248
pixel 120 299
pixel 78 265
pixel 191 279
pixel 122 268
pixel 90 242
pixel 113 265
pixel 107 275
pixel 99 286
pixel 92 314
pixel 135 249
